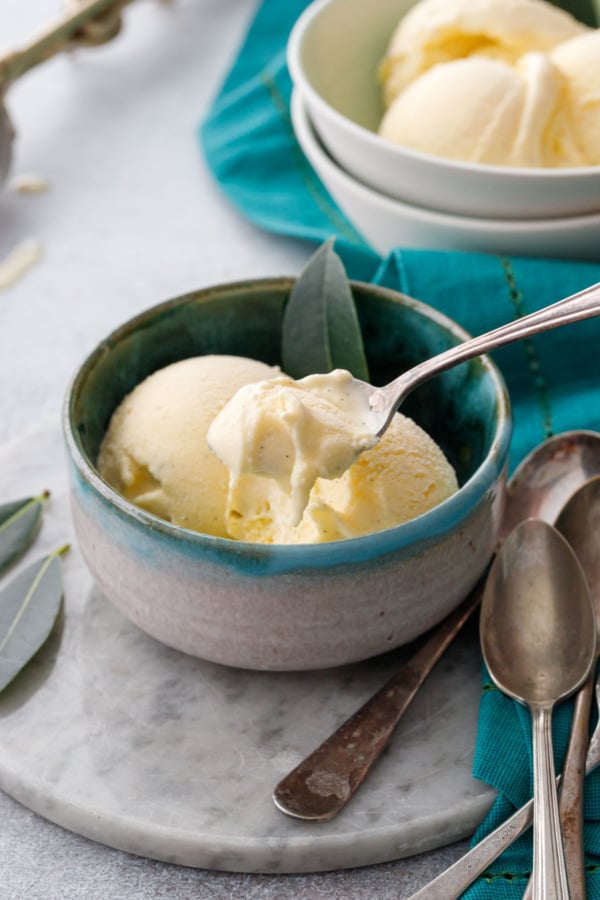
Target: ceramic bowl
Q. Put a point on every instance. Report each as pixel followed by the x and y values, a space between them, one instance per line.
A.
pixel 385 223
pixel 334 52
pixel 303 606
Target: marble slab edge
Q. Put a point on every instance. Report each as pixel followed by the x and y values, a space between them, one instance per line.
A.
pixel 261 855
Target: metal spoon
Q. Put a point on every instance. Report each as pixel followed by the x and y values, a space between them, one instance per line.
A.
pixel 579 522
pixel 454 881
pixel 539 487
pixel 538 639
pixel 383 402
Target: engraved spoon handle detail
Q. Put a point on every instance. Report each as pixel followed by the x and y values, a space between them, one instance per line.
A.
pixel 326 779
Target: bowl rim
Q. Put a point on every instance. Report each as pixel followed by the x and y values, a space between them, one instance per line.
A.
pixel 307 135
pixel 300 78
pixel 428 527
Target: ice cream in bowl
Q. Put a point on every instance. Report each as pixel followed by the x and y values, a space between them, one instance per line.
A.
pixel 321 565
pixel 481 108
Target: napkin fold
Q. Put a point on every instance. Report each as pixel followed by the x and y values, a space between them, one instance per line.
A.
pixel 553 379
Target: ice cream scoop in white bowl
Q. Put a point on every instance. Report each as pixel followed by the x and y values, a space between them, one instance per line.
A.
pixel 386 223
pixel 335 53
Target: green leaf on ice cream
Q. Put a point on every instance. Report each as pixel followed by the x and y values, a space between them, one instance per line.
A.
pixel 320 329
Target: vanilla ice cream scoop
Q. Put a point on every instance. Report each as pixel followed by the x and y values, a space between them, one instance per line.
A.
pixel 285 442
pixel 155 451
pixel 439 31
pixel 499 82
pixel 307 465
pixel 403 476
pixel 293 432
pixel 579 62
pixel 481 110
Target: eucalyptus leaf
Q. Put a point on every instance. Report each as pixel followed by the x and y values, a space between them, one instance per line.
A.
pixel 29 605
pixel 19 521
pixel 320 328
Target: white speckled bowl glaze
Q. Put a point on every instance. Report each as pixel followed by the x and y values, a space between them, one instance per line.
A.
pixel 296 607
pixel 334 52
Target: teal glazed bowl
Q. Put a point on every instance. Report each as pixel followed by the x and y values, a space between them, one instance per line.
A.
pixel 305 606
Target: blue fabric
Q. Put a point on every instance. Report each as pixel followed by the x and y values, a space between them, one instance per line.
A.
pixel 250 147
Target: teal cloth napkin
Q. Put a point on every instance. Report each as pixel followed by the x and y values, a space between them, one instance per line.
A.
pixel 248 142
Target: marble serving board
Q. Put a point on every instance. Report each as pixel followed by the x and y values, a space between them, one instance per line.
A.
pixel 127 742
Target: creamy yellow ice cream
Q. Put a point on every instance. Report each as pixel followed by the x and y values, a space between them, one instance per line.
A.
pixel 439 31
pixel 155 451
pixel 579 61
pixel 293 432
pixel 305 467
pixel 500 82
pixel 502 116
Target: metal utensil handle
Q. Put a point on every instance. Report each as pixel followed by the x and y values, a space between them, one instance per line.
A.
pixel 570 795
pixel 54 39
pixel 321 785
pixel 454 880
pixel 549 875
pixel 583 305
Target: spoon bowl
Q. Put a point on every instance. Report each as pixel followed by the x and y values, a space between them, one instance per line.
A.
pixel 579 522
pixel 538 639
pixel 537 621
pixel 549 476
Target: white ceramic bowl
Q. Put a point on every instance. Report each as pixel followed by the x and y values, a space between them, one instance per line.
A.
pixel 334 52
pixel 304 606
pixel 386 223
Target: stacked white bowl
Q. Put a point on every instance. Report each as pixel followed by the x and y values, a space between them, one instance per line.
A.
pixel 395 196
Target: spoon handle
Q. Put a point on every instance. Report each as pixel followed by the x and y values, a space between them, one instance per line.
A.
pixel 454 880
pixel 582 305
pixel 321 785
pixel 570 792
pixel 549 869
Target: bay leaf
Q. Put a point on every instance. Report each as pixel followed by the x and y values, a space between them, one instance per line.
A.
pixel 320 327
pixel 29 605
pixel 19 521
